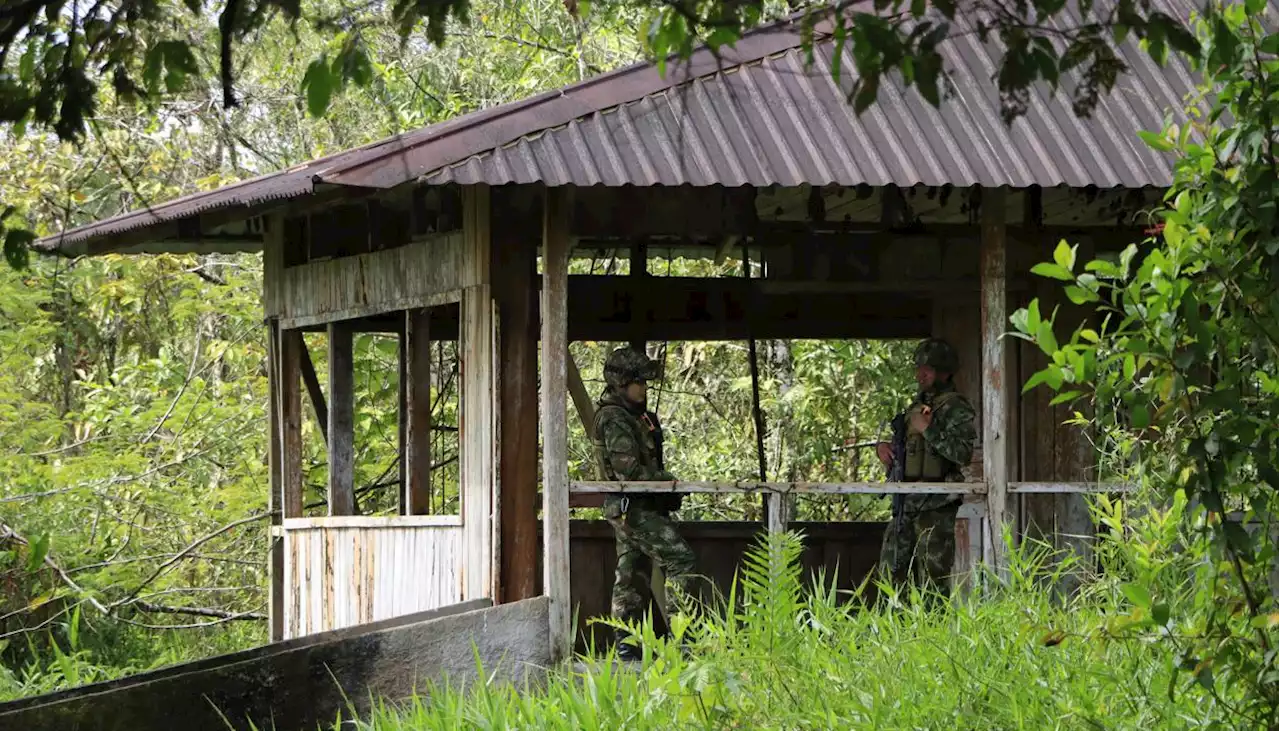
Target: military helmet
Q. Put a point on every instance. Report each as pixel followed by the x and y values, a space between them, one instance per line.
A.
pixel 625 366
pixel 938 355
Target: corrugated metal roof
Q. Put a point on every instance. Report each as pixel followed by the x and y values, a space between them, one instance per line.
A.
pixel 755 116
pixel 775 122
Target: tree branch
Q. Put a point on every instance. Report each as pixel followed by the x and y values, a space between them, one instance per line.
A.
pixel 198 612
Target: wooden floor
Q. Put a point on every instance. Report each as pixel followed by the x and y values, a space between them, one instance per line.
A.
pixel 846 552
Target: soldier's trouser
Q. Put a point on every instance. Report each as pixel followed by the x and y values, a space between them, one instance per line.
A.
pixel 924 551
pixel 644 536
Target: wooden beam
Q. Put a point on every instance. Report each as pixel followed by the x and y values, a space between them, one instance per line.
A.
pixel 275 611
pixel 313 387
pixel 581 399
pixel 781 488
pixel 373 521
pixel 595 487
pixel 417 409
pixel 291 424
pixel 556 244
pixel 342 452
pixel 995 374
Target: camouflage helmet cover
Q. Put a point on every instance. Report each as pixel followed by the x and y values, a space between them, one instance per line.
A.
pixel 625 366
pixel 938 355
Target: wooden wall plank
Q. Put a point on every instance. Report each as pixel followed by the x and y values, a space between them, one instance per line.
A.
pixel 381 281
pixel 417 408
pixel 556 244
pixel 341 421
pixel 995 373
pixel 291 346
pixel 347 574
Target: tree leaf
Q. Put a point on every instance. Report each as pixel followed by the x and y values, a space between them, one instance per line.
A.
pixel 318 85
pixel 37 549
pixel 1238 538
pixel 1155 140
pixel 1046 339
pixel 1080 295
pixel 17 247
pixel 1160 613
pixel 1064 397
pixel 1271 44
pixel 1065 255
pixel 1053 271
pixel 1137 594
pixel 1141 417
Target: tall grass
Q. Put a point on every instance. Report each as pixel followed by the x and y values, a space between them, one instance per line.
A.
pixel 779 656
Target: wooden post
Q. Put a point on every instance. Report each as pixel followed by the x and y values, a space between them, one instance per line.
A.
pixel 478 429
pixel 341 421
pixel 555 434
pixel 417 410
pixel 402 423
pixel 772 503
pixel 514 271
pixel 275 625
pixel 639 302
pixel 776 518
pixel 291 423
pixel 995 374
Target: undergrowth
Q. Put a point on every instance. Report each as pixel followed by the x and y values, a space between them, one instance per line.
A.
pixel 1014 655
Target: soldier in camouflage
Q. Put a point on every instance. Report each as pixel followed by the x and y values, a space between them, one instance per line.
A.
pixel 627 444
pixel 920 549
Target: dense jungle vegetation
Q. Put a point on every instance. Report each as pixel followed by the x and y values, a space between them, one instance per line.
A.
pixel 132 389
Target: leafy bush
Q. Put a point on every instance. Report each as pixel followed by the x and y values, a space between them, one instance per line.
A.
pixel 778 657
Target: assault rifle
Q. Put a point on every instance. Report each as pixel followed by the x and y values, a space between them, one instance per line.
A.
pixel 896 471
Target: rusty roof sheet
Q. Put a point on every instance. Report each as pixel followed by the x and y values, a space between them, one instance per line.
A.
pixel 754 116
pixel 775 122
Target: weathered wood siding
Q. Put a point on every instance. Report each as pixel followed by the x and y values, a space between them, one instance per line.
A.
pixel 420 274
pixel 367 570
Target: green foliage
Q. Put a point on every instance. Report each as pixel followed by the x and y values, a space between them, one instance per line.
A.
pixel 783 658
pixel 1182 371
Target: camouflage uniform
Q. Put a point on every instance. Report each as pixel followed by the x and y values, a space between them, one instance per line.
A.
pixel 923 550
pixel 627 448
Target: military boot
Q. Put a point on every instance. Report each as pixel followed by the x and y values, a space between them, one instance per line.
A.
pixel 628 649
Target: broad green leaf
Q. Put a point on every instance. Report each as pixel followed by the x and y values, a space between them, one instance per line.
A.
pixel 1160 613
pixel 1064 397
pixel 1064 255
pixel 318 84
pixel 17 247
pixel 1080 295
pixel 1238 538
pixel 1141 417
pixel 1137 594
pixel 37 549
pixel 1155 140
pixel 1053 271
pixel 1046 339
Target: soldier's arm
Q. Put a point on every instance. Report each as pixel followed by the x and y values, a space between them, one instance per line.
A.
pixel 624 454
pixel 952 434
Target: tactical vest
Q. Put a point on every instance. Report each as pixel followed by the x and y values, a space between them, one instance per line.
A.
pixel 923 464
pixel 643 437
